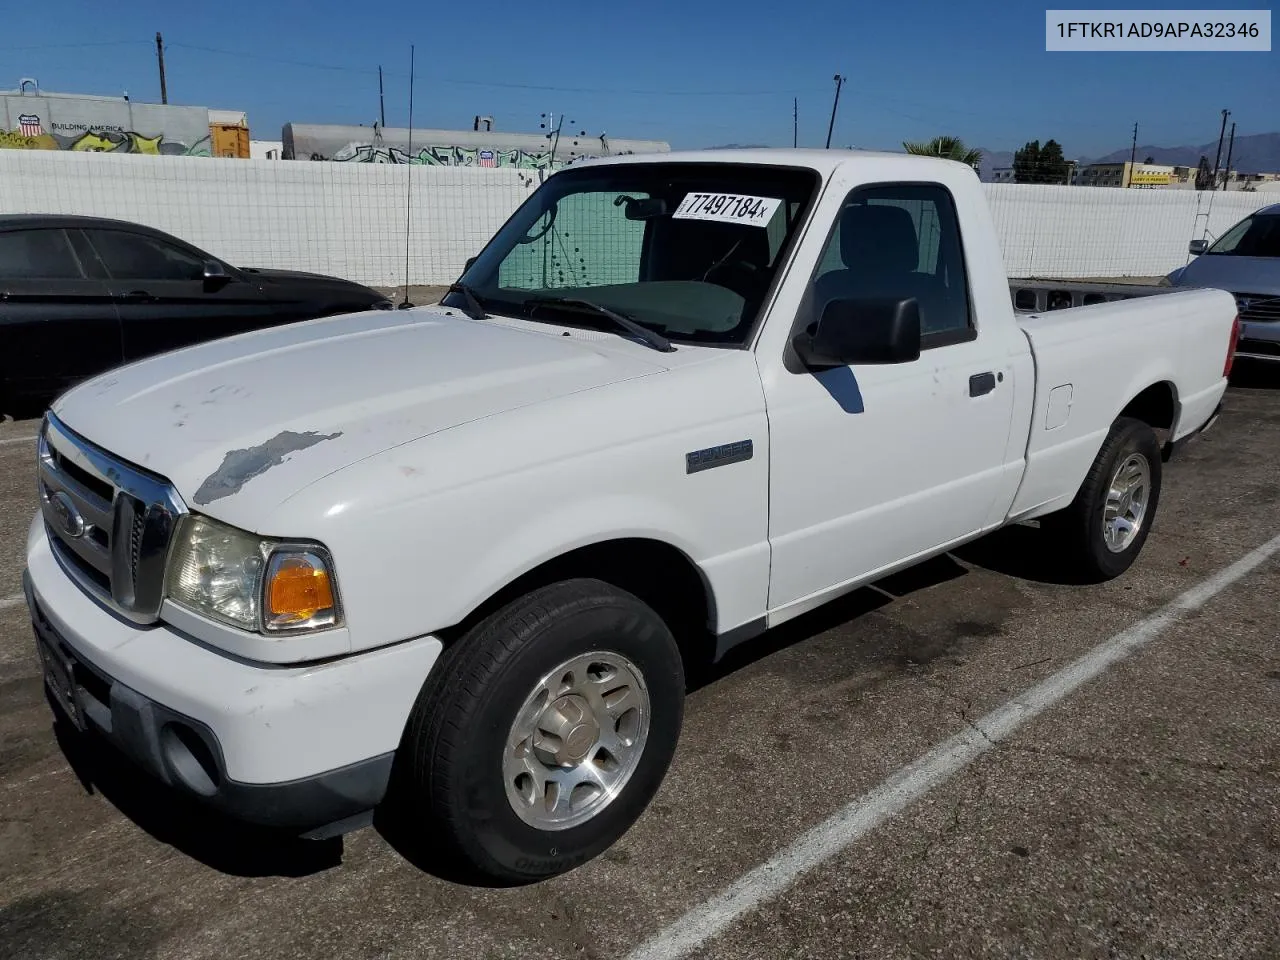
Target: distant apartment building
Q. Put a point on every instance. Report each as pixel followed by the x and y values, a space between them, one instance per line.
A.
pixel 1146 176
pixel 1007 175
pixel 1252 182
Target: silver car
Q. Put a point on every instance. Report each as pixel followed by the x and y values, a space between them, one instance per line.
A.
pixel 1245 261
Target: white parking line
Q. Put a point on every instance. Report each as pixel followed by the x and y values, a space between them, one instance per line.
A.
pixel 8 440
pixel 13 601
pixel 913 781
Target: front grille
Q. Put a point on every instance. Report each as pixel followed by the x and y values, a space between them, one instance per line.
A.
pixel 108 521
pixel 1258 307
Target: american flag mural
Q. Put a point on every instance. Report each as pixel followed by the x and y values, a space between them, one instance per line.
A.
pixel 29 125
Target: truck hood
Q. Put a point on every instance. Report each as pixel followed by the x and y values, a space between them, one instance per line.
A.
pixel 1233 274
pixel 239 425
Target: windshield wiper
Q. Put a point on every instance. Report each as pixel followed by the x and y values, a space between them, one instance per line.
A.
pixel 650 338
pixel 474 308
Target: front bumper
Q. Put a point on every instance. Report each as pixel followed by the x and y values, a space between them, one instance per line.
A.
pixel 299 747
pixel 1259 341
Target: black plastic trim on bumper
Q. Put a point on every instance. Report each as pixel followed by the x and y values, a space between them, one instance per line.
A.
pixel 1253 349
pixel 144 730
pixel 1174 447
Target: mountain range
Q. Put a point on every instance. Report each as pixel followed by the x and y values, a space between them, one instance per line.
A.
pixel 1257 153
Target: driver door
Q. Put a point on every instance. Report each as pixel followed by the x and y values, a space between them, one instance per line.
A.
pixel 872 465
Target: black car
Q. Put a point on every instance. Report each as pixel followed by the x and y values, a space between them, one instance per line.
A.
pixel 79 295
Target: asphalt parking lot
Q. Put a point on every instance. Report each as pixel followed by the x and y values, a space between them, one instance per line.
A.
pixel 1138 816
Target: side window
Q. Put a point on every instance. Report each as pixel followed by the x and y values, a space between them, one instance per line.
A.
pixel 88 257
pixel 37 255
pixel 896 241
pixel 131 256
pixel 588 242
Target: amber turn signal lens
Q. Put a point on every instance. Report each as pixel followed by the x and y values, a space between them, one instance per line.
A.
pixel 298 590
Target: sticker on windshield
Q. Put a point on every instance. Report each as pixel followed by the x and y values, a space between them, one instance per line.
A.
pixel 727 208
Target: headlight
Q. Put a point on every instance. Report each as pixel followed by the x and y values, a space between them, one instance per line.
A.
pixel 250 582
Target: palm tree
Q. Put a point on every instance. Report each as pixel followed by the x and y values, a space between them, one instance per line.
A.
pixel 949 148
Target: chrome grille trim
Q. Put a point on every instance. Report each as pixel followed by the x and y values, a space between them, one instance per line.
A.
pixel 1258 307
pixel 125 542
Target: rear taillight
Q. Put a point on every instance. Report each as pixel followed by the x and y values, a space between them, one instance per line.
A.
pixel 1231 347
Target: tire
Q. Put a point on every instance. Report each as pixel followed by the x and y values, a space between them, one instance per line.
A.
pixel 1081 529
pixel 465 805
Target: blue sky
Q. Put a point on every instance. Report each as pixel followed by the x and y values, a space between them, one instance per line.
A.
pixel 691 72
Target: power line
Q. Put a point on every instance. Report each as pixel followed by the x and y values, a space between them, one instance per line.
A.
pixel 76 46
pixel 343 68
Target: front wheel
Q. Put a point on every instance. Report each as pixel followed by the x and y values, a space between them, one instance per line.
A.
pixel 1103 530
pixel 543 733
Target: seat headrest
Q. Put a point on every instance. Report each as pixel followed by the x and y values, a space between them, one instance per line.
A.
pixel 879 237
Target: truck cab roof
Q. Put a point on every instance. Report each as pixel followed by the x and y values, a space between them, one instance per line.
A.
pixel 824 161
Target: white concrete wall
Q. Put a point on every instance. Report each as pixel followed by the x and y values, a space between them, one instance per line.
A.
pixel 349 219
pixel 1053 231
pixel 336 218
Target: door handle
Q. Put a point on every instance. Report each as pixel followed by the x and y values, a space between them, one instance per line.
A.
pixel 139 296
pixel 981 384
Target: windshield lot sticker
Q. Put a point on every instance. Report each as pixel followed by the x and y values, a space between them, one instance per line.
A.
pixel 727 208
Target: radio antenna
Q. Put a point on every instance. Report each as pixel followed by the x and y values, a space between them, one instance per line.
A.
pixel 408 190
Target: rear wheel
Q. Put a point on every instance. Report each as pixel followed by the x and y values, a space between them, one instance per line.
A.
pixel 1104 529
pixel 543 733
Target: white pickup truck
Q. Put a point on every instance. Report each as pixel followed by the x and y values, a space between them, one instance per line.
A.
pixel 455 560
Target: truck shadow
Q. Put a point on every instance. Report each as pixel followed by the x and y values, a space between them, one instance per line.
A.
pixel 1023 552
pixel 178 821
pixel 1020 551
pixel 852 606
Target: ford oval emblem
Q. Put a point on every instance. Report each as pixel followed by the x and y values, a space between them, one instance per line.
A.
pixel 70 522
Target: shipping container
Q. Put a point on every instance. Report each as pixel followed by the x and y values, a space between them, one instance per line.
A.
pixel 229 140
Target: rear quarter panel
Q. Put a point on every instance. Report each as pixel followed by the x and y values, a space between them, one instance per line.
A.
pixel 1092 361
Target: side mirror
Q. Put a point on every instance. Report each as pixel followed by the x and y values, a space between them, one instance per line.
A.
pixel 1198 247
pixel 469 264
pixel 215 273
pixel 861 331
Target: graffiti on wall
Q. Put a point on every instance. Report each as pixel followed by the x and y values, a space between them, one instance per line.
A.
pixel 447 156
pixel 31 134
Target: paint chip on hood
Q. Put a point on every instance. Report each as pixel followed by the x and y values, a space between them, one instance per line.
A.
pixel 240 466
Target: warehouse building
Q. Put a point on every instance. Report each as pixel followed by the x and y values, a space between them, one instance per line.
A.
pixel 452 148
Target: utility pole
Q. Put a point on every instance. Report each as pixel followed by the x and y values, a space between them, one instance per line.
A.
pixel 831 126
pixel 164 91
pixel 1226 174
pixel 382 104
pixel 1133 155
pixel 1218 158
pixel 408 187
pixel 795 121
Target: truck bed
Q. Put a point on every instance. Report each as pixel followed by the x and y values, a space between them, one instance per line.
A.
pixel 1079 389
pixel 1041 296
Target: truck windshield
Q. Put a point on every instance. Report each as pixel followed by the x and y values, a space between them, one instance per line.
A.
pixel 687 250
pixel 1255 236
